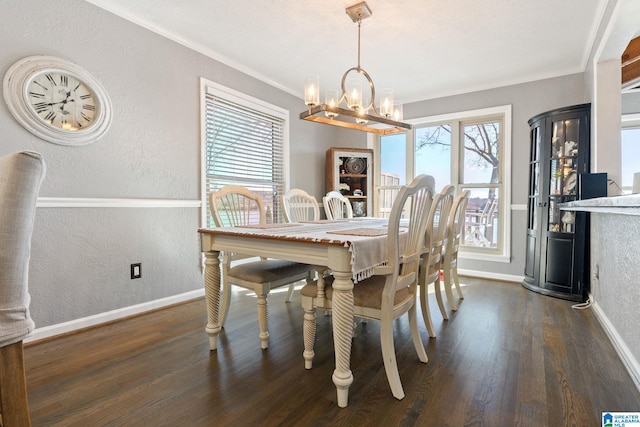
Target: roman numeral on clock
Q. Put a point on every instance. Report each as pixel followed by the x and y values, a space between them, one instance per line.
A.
pixel 51 80
pixel 41 107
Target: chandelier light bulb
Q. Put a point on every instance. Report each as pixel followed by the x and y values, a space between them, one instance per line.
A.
pixel 332 99
pixel 397 111
pixel 386 102
pixel 312 91
pixel 360 119
pixel 354 94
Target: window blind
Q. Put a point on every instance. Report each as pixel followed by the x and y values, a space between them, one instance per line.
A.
pixel 244 146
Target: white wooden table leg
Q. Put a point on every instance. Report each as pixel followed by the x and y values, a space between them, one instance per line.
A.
pixel 342 334
pixel 263 318
pixel 309 333
pixel 212 295
pixel 309 324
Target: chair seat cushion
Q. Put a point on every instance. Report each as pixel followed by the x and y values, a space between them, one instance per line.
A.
pixel 366 293
pixel 267 271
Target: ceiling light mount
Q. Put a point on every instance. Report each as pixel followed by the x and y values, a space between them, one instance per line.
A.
pixel 384 119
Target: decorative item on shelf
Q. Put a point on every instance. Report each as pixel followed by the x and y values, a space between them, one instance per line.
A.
pixel 344 188
pixel 359 114
pixel 570 148
pixel 359 208
pixel 568 219
pixel 358 193
pixel 355 165
pixel 570 183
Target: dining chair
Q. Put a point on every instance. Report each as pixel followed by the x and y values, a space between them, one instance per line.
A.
pixel 235 206
pixel 21 176
pixel 429 271
pixel 392 290
pixel 336 206
pixel 449 264
pixel 300 206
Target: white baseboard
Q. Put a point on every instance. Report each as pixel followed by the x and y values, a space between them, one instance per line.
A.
pixel 85 322
pixel 629 361
pixel 489 275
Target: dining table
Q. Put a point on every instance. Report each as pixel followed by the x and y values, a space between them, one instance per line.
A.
pixel 350 248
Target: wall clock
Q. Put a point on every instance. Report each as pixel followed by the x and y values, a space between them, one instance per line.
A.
pixel 57 100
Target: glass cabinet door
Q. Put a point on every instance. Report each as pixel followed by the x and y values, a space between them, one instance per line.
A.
pixel 563 172
pixel 534 177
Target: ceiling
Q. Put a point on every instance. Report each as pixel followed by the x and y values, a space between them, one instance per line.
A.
pixel 423 49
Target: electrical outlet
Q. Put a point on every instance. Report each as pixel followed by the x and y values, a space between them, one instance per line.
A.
pixel 136 271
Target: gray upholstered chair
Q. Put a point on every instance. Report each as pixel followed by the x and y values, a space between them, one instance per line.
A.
pixel 235 206
pixel 392 291
pixel 20 177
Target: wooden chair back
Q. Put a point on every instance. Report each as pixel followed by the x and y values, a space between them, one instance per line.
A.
pixel 336 206
pixel 300 206
pixel 234 206
pixel 456 224
pixel 413 203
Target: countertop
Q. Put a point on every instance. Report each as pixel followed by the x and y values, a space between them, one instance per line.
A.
pixel 620 205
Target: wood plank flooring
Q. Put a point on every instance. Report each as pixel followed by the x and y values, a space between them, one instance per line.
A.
pixel 508 357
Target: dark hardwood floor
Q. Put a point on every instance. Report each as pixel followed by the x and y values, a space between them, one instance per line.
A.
pixel 508 357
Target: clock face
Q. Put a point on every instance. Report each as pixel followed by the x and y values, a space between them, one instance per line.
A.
pixel 57 100
pixel 62 101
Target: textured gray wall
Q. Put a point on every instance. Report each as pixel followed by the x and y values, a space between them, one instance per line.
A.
pixel 615 245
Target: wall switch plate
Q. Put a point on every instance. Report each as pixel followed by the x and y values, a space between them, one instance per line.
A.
pixel 136 271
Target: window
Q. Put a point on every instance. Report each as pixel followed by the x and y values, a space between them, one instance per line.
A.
pixel 466 150
pixel 630 151
pixel 244 143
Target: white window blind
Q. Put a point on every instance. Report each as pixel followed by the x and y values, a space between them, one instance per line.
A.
pixel 245 146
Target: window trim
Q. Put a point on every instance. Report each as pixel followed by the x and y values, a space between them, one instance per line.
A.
pixel 628 121
pixel 503 254
pixel 208 86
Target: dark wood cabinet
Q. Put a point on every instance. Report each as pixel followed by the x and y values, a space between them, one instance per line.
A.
pixel 557 243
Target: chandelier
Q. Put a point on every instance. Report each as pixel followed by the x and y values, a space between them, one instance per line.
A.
pixel 349 109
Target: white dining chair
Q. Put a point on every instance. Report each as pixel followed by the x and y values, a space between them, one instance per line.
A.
pixel 235 206
pixel 300 206
pixel 449 264
pixel 432 253
pixel 336 206
pixel 21 176
pixel 392 290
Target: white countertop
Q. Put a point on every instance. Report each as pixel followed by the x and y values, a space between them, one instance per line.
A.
pixel 621 205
